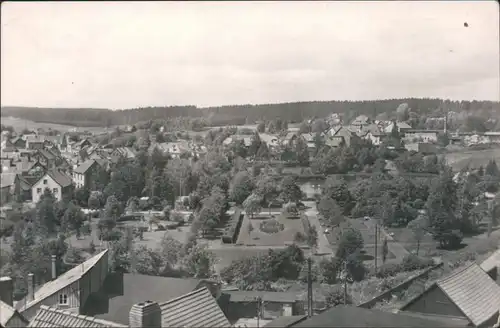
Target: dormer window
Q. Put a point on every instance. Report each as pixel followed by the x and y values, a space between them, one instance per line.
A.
pixel 44 181
pixel 63 299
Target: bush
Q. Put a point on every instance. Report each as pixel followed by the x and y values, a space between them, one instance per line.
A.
pixel 86 230
pixel 233 229
pixel 389 270
pixel 271 226
pixel 177 217
pixel 412 262
pixel 6 229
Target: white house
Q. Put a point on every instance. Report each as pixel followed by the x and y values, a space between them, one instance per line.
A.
pixel 56 181
pixel 421 135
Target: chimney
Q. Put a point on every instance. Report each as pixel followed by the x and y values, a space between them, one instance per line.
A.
pixel 147 314
pixel 54 267
pixel 6 290
pixel 31 287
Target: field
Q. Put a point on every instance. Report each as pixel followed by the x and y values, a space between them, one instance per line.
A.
pixel 472 158
pixel 20 124
pixel 259 238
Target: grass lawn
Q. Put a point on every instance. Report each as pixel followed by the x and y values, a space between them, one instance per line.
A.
pixel 259 238
pixel 20 124
pixel 472 158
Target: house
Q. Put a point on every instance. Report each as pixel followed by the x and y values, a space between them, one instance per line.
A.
pixel 402 127
pixel 244 304
pixel 422 147
pixel 290 138
pixel 341 136
pixel 492 266
pixel 493 136
pixel 55 318
pixel 271 140
pixel 467 293
pixel 413 135
pixel 18 142
pixel 82 144
pixel 58 182
pixel 46 157
pixel 247 140
pixel 360 121
pixel 121 291
pixel 351 316
pixel 83 172
pixel 125 152
pixel 70 290
pixel 6 183
pixel 34 141
pixel 27 167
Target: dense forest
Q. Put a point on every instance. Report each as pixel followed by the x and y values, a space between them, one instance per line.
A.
pixel 241 114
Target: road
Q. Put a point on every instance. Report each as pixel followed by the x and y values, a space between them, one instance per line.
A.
pixel 324 247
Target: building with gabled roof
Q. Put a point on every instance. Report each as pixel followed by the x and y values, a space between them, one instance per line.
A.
pixel 70 290
pixel 83 172
pixel 468 292
pixel 53 317
pixel 57 181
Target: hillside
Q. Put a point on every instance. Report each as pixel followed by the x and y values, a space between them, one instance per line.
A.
pixel 240 114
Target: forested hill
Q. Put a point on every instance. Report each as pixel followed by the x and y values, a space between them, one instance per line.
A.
pixel 240 114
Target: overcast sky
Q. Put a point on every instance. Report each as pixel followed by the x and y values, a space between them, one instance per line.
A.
pixel 125 54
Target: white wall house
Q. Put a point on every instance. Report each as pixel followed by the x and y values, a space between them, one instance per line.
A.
pixel 56 181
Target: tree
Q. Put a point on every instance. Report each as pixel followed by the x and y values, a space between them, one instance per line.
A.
pixel 312 238
pixel 261 127
pixel 302 152
pixel 290 190
pixel 385 250
pixel 199 262
pixel 73 219
pixel 319 125
pixel 113 208
pixel 263 151
pixel 267 189
pixel 330 211
pixel 241 187
pixel 337 189
pixel 492 169
pixel 93 202
pixel 254 145
pixel 250 228
pixel 170 250
pixel 418 227
pixel 351 242
pixel 304 128
pixel 45 212
pixel 132 204
pixel 252 204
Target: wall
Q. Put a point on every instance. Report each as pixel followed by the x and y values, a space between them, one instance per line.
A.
pixel 92 280
pixel 51 184
pixel 73 293
pixel 16 321
pixel 435 302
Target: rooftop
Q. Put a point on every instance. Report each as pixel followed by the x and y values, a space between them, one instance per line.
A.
pixel 196 309
pixel 491 262
pixel 50 317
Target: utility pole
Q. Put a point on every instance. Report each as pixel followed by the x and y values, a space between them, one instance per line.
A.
pixel 259 310
pixel 309 288
pixel 345 282
pixel 376 245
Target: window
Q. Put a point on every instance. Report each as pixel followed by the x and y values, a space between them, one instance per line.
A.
pixel 38 190
pixel 63 299
pixel 44 181
pixel 54 191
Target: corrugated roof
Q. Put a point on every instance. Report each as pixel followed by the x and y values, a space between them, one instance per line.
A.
pixel 135 288
pixel 493 261
pixel 474 292
pixel 64 280
pixel 196 309
pixel 51 317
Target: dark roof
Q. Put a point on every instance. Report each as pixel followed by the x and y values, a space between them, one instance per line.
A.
pixel 48 154
pixel 60 177
pixel 196 309
pixel 351 316
pixel 54 318
pixel 84 167
pixel 285 321
pixel 121 291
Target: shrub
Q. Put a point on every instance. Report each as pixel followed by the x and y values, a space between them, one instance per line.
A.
pixel 177 217
pixel 412 262
pixel 389 270
pixel 6 229
pixel 290 209
pixel 271 226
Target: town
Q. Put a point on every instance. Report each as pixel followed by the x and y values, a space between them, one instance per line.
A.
pixel 271 224
pixel 250 164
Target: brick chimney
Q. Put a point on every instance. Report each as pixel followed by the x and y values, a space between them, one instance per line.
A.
pixel 31 287
pixel 6 290
pixel 146 314
pixel 54 267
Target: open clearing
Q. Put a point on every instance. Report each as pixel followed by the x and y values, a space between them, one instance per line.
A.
pixel 472 158
pixel 19 125
pixel 259 238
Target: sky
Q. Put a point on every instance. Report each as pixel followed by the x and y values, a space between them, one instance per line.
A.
pixel 129 54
